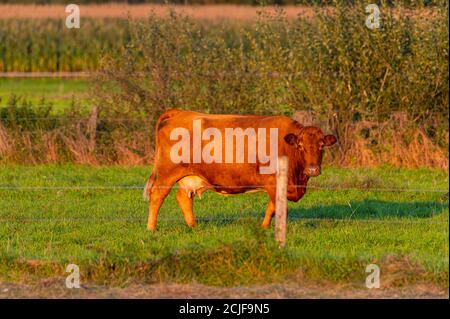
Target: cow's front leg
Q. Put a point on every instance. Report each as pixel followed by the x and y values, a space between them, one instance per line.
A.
pixel 270 211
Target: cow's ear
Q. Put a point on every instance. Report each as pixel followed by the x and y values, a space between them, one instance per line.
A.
pixel 329 140
pixel 291 139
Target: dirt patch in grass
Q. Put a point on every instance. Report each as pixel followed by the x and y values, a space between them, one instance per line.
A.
pixel 55 288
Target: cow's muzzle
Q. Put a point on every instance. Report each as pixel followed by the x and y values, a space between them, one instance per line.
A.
pixel 312 170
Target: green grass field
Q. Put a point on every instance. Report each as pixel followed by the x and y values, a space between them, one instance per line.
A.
pixel 59 92
pixel 95 217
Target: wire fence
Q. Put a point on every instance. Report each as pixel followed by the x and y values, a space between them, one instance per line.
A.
pixel 136 119
pixel 180 219
pixel 65 118
pixel 403 216
pixel 392 220
pixel 255 206
pixel 134 187
pixel 59 75
pixel 141 74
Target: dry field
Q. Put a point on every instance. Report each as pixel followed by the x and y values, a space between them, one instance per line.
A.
pixel 203 12
pixel 207 12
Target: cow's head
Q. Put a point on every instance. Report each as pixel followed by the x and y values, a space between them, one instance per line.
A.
pixel 310 142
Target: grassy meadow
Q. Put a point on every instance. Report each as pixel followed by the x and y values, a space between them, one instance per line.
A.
pixel 95 217
pixel 59 92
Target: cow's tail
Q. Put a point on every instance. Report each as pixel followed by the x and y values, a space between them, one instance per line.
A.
pixel 148 187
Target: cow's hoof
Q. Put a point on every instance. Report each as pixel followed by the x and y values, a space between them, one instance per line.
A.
pixel 151 228
pixel 265 226
pixel 192 225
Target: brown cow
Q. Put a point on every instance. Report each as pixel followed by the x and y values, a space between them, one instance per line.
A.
pixel 249 170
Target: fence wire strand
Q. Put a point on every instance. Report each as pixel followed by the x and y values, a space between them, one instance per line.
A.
pixel 137 187
pixel 397 217
pixel 222 219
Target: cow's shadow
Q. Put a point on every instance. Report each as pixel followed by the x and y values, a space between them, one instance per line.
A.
pixel 356 210
pixel 370 209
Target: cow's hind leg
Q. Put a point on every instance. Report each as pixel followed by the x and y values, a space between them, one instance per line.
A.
pixel 159 190
pixel 186 204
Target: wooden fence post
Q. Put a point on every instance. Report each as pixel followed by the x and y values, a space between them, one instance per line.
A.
pixel 281 201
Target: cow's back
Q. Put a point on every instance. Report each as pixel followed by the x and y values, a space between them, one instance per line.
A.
pixel 242 175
